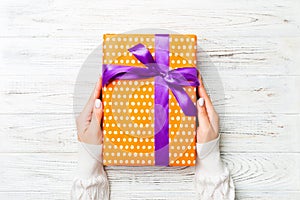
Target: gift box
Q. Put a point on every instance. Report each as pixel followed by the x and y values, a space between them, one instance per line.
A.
pixel 149 99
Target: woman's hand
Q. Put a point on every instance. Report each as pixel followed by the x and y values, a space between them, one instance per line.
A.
pixel 89 120
pixel 208 118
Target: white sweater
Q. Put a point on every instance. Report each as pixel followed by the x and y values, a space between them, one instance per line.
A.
pixel 212 178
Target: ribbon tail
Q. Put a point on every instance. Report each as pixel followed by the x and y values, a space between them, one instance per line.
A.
pixel 187 105
pixel 187 76
pixel 161 127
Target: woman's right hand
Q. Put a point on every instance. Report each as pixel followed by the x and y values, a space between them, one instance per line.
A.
pixel 208 118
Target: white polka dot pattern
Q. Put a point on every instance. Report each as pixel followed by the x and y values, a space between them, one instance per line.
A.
pixel 128 123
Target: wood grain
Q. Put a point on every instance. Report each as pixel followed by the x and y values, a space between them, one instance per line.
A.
pixel 86 19
pixel 237 94
pixel 254 171
pixel 246 195
pixel 36 133
pixel 50 58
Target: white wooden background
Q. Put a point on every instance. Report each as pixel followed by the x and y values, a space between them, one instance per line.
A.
pixel 249 57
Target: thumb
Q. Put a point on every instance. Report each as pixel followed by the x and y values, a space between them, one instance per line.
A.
pixel 95 125
pixel 202 114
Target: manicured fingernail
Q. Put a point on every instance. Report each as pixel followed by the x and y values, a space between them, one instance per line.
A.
pixel 98 103
pixel 201 102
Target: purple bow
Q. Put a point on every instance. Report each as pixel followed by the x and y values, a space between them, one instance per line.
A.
pixel 165 79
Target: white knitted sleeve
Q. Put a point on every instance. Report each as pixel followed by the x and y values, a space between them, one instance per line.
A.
pixel 212 177
pixel 91 180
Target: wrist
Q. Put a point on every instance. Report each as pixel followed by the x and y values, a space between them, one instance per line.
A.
pixel 89 138
pixel 203 137
pixel 208 158
pixel 89 160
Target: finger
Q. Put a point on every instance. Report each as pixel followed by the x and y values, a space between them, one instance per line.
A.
pixel 98 89
pixel 95 125
pixel 202 114
pixel 96 92
pixel 88 108
pixel 203 94
pixel 98 111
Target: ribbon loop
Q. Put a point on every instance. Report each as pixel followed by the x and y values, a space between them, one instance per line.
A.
pixel 142 53
pixel 175 79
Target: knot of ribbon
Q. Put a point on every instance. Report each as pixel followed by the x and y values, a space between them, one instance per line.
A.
pixel 165 79
pixel 174 79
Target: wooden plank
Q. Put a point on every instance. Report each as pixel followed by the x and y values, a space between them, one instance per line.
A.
pixel 260 172
pixel 253 195
pixel 259 133
pixel 87 19
pixel 240 94
pixel 42 133
pixel 38 133
pixel 63 57
pixel 35 195
pixel 240 195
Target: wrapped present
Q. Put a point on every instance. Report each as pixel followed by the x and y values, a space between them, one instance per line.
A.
pixel 149 99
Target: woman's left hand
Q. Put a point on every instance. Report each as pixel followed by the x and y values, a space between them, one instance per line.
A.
pixel 89 120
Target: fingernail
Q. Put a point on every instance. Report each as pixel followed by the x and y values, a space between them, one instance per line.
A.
pixel 98 103
pixel 201 102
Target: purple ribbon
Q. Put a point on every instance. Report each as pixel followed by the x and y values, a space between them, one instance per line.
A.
pixel 164 79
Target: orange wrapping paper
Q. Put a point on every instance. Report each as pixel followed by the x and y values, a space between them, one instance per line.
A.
pixel 128 121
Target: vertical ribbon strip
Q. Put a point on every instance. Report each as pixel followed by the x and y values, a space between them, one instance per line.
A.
pixel 161 111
